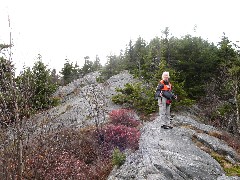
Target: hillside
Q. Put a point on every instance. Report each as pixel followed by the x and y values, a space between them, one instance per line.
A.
pixel 179 153
pixel 163 154
pixel 184 152
pixel 76 102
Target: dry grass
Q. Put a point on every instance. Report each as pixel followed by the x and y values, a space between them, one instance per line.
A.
pixel 193 128
pixel 216 134
pixel 230 168
pixel 201 145
pixel 231 140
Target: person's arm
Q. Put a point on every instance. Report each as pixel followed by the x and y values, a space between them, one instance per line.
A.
pixel 158 90
pixel 174 95
pixel 160 86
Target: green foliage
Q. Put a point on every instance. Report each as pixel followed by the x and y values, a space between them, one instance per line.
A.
pixel 224 109
pixel 182 100
pixel 69 72
pixel 229 168
pixel 226 53
pixel 90 66
pixel 8 91
pixel 36 87
pixel 196 62
pixel 138 97
pixel 96 64
pixel 87 67
pixel 26 86
pixel 100 79
pixel 233 171
pixel 118 158
pixel 228 68
pixel 55 101
pixel 43 88
pixel 113 66
pixel 4 46
pixel 152 60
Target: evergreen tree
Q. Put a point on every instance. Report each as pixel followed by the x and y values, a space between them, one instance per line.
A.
pixel 26 86
pixel 152 60
pixel 8 94
pixel 69 72
pixel 229 73
pixel 129 57
pixel 96 64
pixel 166 45
pixel 196 62
pixel 10 112
pixel 87 67
pixel 111 67
pixel 55 79
pixel 139 55
pixel 43 88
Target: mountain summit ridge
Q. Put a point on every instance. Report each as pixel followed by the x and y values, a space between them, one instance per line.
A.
pixel 164 154
pixel 172 154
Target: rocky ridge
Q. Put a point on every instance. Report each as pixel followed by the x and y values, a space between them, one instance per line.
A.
pixel 170 154
pixel 163 154
pixel 76 104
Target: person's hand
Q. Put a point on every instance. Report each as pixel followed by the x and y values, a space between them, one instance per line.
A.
pixel 175 96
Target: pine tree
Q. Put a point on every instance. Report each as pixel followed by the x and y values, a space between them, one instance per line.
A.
pixel 69 72
pixel 43 86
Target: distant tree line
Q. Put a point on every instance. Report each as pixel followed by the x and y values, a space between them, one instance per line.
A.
pixel 200 71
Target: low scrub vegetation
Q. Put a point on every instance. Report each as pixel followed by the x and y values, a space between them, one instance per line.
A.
pixel 231 169
pixel 123 117
pixel 118 158
pixel 231 140
pixel 72 153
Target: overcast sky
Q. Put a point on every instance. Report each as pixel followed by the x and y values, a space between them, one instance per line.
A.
pixel 73 29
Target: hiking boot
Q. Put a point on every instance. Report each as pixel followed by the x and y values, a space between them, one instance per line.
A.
pixel 166 127
pixel 169 127
pixel 163 126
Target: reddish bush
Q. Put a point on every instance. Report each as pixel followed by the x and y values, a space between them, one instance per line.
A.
pixel 122 136
pixel 67 154
pixel 72 154
pixel 232 141
pixel 124 117
pixel 64 165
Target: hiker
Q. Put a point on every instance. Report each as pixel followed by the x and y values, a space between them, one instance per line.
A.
pixel 165 95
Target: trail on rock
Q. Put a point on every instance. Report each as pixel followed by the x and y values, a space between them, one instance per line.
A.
pixel 172 154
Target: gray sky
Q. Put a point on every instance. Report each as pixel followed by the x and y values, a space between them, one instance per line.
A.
pixel 73 29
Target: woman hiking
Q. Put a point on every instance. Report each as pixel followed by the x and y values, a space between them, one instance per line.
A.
pixel 165 96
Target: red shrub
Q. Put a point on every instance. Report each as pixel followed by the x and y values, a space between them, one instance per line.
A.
pixel 231 141
pixel 122 136
pixel 67 155
pixel 123 117
pixel 66 166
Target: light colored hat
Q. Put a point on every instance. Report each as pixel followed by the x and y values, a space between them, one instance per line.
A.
pixel 164 74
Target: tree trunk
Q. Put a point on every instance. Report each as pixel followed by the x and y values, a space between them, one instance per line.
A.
pixel 237 107
pixel 19 133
